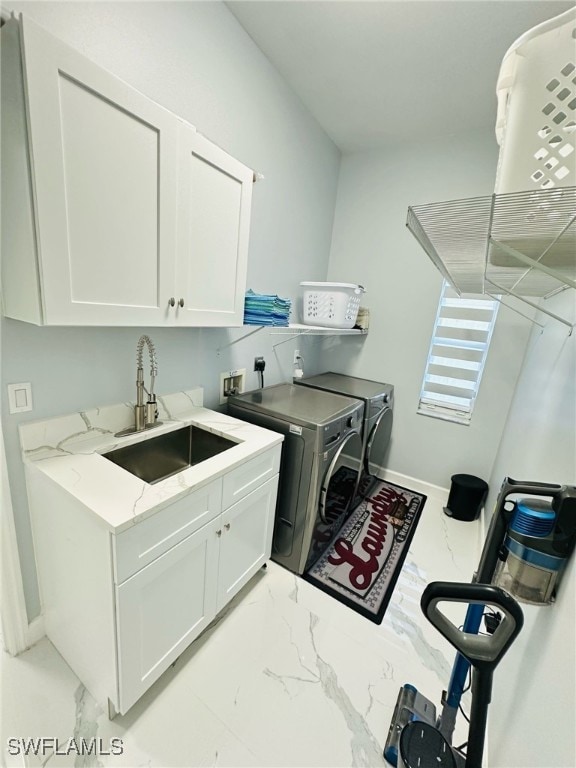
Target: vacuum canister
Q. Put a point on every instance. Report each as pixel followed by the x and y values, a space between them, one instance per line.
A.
pixel 529 563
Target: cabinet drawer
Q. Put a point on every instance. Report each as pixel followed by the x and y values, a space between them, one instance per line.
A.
pixel 246 478
pixel 140 545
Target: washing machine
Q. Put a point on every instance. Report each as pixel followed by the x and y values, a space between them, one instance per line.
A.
pixel 320 467
pixel 378 400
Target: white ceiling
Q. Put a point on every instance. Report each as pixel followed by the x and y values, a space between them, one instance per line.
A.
pixel 386 71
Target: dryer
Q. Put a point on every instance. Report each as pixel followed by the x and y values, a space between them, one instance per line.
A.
pixel 320 466
pixel 378 400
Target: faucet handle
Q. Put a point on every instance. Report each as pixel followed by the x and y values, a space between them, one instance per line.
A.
pixel 151 411
pixel 140 417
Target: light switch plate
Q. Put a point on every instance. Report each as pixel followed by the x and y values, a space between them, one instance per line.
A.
pixel 20 397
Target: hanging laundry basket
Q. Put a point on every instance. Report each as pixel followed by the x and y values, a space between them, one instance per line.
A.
pixel 536 121
pixel 331 305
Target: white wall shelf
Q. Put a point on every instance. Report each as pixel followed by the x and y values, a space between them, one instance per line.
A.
pixel 294 330
pixel 520 244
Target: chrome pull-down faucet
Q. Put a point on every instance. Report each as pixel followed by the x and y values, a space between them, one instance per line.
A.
pixel 146 414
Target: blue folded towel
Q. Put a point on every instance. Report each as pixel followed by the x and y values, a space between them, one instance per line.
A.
pixel 265 309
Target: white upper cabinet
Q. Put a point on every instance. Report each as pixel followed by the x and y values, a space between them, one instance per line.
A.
pixel 136 219
pixel 215 193
pixel 104 169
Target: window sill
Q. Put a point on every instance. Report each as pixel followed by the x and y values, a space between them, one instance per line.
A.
pixel 463 420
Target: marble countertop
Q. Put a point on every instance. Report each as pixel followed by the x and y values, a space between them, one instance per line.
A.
pixel 68 451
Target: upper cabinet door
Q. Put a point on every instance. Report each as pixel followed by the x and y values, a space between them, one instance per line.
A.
pixel 215 194
pixel 104 168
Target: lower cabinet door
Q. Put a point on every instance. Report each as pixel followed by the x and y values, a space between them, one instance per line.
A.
pixel 246 540
pixel 163 608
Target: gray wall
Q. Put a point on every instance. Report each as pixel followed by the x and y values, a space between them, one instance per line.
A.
pixel 196 60
pixel 527 729
pixel 372 246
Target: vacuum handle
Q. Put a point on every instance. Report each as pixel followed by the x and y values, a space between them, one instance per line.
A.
pixel 538 489
pixel 482 651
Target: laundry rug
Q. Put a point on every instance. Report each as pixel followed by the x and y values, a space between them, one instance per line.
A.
pixel 362 564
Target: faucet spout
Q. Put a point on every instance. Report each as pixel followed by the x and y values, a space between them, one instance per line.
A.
pixel 146 413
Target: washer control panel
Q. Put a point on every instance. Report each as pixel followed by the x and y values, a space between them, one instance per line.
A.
pixel 339 428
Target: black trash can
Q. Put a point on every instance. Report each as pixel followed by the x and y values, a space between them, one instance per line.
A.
pixel 467 495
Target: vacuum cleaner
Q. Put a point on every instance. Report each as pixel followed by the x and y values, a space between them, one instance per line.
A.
pixel 529 541
pixel 421 744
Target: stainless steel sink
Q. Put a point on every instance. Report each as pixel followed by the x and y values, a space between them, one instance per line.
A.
pixel 160 457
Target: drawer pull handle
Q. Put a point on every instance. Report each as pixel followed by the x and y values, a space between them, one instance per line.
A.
pixel 181 302
pixel 172 301
pixel 219 532
pixel 227 526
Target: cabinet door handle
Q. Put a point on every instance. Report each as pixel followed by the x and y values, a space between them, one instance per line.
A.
pixel 172 301
pixel 181 302
pixel 219 532
pixel 227 526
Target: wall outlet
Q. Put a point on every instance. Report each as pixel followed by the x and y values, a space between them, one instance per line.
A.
pixel 231 383
pixel 20 397
pixel 296 356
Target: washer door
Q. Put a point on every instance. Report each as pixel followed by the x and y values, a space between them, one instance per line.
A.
pixel 338 493
pixel 378 441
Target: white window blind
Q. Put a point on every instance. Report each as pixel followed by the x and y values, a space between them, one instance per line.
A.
pixel 460 342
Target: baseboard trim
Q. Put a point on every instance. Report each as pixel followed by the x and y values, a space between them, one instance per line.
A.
pixel 439 494
pixel 35 631
pixel 414 484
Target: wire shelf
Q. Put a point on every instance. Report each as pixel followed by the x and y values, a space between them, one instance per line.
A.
pixel 520 243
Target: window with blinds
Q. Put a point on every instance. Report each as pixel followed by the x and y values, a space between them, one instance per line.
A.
pixel 458 350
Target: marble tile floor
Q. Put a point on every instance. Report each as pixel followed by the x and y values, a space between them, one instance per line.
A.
pixel 286 676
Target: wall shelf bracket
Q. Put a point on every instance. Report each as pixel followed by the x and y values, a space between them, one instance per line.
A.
pixel 534 263
pixel 254 330
pixel 500 289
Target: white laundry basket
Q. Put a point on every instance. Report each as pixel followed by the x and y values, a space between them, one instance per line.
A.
pixel 331 305
pixel 536 122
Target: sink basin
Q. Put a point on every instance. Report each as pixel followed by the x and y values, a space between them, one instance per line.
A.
pixel 160 457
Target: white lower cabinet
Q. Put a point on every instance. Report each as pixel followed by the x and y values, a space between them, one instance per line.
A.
pixel 163 607
pixel 121 607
